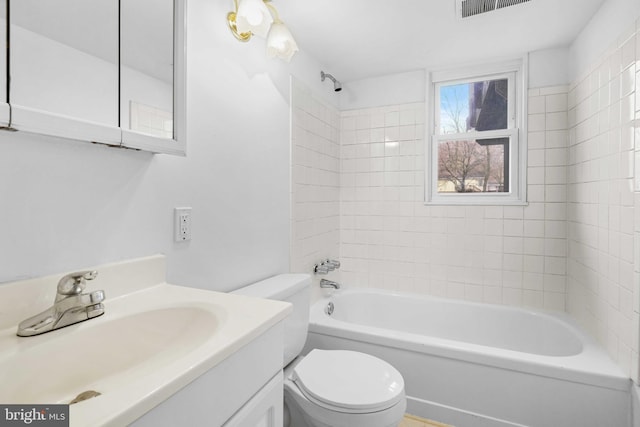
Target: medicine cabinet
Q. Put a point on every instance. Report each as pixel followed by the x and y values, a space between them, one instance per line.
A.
pixel 4 101
pixel 104 71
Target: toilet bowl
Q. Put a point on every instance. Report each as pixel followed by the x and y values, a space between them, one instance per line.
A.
pixel 340 388
pixel 329 388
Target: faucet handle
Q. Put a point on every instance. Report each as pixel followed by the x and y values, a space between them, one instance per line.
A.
pixel 74 283
pixel 333 263
pixel 321 269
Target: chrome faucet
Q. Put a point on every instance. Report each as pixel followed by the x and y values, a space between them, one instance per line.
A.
pixel 70 306
pixel 326 266
pixel 324 283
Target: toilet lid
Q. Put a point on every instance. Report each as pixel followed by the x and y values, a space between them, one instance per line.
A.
pixel 348 381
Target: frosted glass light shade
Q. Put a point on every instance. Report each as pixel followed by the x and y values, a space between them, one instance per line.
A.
pixel 253 16
pixel 280 42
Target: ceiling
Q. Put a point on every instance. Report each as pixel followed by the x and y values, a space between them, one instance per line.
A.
pixel 352 39
pixel 356 39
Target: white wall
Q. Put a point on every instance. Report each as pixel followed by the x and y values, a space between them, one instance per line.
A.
pixel 70 205
pixel 600 33
pixel 391 89
pixel 549 67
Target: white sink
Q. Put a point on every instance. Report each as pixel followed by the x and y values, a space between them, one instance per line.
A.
pixel 149 343
pixel 96 355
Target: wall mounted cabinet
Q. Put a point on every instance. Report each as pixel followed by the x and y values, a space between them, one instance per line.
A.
pixel 4 101
pixel 101 71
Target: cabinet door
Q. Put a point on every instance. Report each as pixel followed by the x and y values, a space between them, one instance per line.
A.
pixel 4 101
pixel 64 68
pixel 265 409
pixel 151 92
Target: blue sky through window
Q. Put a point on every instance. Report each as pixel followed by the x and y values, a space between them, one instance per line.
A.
pixel 454 108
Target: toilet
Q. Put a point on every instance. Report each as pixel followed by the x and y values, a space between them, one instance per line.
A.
pixel 329 388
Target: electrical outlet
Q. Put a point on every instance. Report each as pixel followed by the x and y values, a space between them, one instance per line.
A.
pixel 182 224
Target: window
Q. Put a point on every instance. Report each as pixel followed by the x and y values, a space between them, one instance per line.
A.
pixel 477 150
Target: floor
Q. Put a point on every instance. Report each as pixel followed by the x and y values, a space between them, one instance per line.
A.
pixel 413 421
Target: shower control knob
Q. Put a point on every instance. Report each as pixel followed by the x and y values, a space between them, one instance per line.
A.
pixel 321 269
pixel 333 263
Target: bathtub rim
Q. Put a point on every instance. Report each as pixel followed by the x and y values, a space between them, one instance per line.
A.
pixel 592 366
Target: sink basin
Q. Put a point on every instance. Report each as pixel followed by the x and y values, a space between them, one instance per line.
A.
pixel 153 340
pixel 99 354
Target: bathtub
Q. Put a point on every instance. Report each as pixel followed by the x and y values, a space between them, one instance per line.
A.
pixel 477 365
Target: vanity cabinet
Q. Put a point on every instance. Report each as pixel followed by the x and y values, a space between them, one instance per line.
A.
pixel 264 409
pixel 100 71
pixel 244 390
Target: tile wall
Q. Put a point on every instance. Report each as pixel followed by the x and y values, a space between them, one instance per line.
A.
pixel 315 178
pixel 494 254
pixel 358 193
pixel 604 108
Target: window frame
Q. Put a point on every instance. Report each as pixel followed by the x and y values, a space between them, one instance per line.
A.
pixel 515 72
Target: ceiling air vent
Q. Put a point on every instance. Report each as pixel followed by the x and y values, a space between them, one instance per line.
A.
pixel 467 8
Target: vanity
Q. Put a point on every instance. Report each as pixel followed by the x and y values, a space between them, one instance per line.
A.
pixel 160 355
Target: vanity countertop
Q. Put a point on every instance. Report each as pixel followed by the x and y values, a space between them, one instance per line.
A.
pixel 153 339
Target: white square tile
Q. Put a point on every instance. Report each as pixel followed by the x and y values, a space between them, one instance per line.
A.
pixel 536 140
pixel 556 121
pixel 492 294
pixel 536 105
pixel 534 211
pixel 377 135
pixel 628 53
pixel 363 121
pixel 556 139
pixel 533 264
pixel 555 211
pixel 392 118
pixel 555 193
pixel 348 123
pixel 511 296
pixel 537 123
pixel 532 299
pixel 377 120
pixel 513 245
pixel 555 175
pixel 407 117
pixel 513 227
pixel 534 246
pixel 534 229
pixel 555 265
pixel 554 301
pixel 536 158
pixel 556 103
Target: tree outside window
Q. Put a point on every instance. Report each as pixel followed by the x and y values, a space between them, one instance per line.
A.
pixel 473 165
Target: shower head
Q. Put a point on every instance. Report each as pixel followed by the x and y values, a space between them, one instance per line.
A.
pixel 337 86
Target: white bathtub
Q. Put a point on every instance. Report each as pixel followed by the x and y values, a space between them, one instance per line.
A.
pixel 476 365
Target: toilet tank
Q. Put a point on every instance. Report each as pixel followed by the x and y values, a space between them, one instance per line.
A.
pixel 293 288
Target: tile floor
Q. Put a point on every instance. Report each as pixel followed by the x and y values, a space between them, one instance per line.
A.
pixel 413 421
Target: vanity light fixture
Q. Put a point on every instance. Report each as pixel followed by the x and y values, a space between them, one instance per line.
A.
pixel 261 18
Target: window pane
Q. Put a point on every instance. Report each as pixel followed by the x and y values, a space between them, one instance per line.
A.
pixel 475 166
pixel 474 106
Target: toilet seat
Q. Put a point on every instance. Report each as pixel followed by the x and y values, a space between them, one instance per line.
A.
pixel 348 381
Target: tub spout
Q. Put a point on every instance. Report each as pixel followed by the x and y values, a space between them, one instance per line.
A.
pixel 324 283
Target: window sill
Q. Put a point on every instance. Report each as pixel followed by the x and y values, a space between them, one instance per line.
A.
pixel 479 202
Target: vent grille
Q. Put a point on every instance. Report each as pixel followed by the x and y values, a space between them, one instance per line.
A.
pixel 467 8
